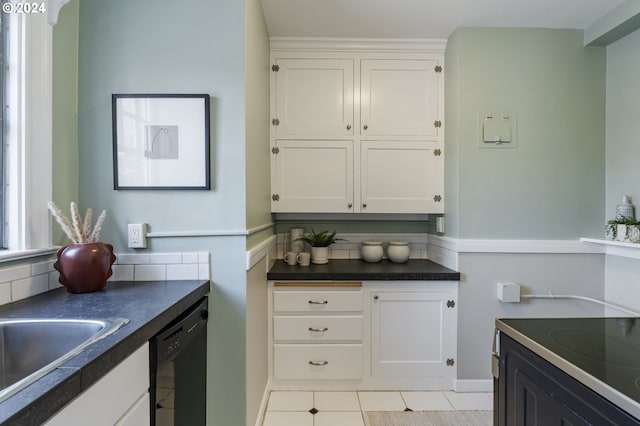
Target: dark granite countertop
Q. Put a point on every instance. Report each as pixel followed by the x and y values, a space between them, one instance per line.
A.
pixel 149 306
pixel 357 269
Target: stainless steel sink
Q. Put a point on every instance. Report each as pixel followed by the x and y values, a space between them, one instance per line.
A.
pixel 31 348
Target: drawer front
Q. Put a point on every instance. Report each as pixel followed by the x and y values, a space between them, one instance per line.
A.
pixel 317 328
pixel 317 301
pixel 317 362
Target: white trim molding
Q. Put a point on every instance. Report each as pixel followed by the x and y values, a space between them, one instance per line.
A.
pixel 523 246
pixel 614 248
pixel 53 9
pixel 323 44
pixel 473 385
pixel 256 253
pixel 210 233
pixel 445 250
pixel 512 246
pixel 29 136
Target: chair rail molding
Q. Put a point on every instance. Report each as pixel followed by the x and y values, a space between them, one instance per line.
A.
pixel 445 250
pixel 614 248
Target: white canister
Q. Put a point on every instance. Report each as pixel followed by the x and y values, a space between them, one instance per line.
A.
pixel 398 251
pixel 371 251
pixel 297 245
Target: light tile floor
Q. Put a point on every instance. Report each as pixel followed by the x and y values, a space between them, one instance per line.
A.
pixel 306 408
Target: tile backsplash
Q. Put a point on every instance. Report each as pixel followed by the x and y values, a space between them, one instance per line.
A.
pixel 25 280
pixel 21 281
pixel 161 266
pixel 350 249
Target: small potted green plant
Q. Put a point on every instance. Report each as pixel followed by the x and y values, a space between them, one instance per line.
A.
pixel 320 242
pixel 625 229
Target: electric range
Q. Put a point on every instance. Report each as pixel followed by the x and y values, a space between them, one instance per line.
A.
pixel 601 353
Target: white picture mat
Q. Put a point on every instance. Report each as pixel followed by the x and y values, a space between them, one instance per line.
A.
pixel 137 169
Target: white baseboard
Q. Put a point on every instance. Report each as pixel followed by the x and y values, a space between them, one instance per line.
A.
pixel 263 404
pixel 473 385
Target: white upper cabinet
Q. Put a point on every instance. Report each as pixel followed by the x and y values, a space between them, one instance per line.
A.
pixel 399 98
pixel 357 127
pixel 401 176
pixel 313 97
pixel 312 176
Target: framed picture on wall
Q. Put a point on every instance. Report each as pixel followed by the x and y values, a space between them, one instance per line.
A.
pixel 160 141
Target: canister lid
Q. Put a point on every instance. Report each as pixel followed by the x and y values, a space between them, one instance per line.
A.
pixel 399 243
pixel 372 243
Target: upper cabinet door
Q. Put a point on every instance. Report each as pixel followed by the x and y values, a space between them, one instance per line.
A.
pixel 312 176
pixel 400 98
pixel 401 177
pixel 313 97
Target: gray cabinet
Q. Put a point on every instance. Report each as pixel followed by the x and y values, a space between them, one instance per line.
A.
pixel 531 391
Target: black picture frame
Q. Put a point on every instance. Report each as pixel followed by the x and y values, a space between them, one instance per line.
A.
pixel 161 141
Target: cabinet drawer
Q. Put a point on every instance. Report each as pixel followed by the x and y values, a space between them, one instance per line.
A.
pixel 317 301
pixel 317 328
pixel 318 362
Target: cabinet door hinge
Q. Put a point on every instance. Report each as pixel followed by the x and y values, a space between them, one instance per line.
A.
pixel 275 68
pixel 275 121
pixel 275 150
pixel 437 123
pixel 437 198
pixel 275 197
pixel 437 68
pixel 450 362
pixel 437 152
pixel 451 303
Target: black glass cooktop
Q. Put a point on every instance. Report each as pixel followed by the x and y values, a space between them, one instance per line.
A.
pixel 607 349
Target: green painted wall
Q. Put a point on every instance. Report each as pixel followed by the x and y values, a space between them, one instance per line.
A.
pixel 65 112
pixel 158 46
pixel 552 185
pixel 257 118
pixel 623 126
pixel 452 136
pixel 146 46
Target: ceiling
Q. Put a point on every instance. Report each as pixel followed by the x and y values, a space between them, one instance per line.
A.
pixel 423 18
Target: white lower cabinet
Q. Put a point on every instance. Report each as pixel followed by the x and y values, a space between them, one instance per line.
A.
pixel 316 331
pixel 121 397
pixel 138 414
pixel 317 361
pixel 366 335
pixel 408 334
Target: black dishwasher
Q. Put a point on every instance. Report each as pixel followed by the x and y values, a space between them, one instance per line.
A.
pixel 178 369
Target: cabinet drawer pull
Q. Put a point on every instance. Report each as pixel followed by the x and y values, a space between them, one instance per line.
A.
pixel 319 330
pixel 318 363
pixel 323 302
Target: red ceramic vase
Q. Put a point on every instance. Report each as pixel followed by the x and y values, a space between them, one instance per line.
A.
pixel 85 267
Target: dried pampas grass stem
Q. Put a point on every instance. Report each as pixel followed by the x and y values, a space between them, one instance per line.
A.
pixel 77 229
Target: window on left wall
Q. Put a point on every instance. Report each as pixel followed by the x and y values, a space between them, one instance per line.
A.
pixel 26 134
